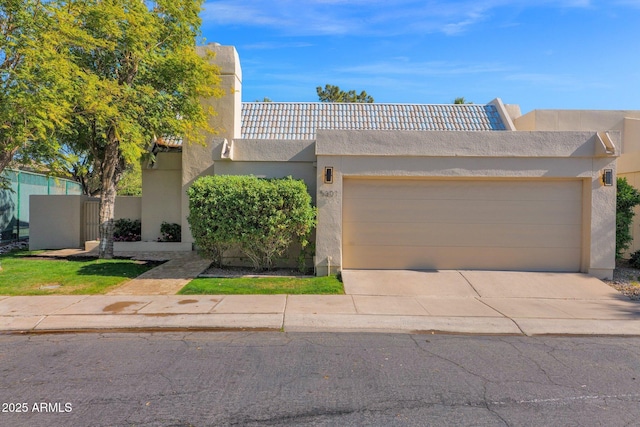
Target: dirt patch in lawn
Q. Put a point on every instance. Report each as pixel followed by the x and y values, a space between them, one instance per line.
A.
pixel 249 272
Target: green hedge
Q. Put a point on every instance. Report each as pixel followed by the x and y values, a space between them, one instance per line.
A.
pixel 627 198
pixel 262 217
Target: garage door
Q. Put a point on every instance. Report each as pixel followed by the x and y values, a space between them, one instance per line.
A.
pixel 530 225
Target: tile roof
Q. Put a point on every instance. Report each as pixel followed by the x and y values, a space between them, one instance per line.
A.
pixel 168 141
pixel 295 120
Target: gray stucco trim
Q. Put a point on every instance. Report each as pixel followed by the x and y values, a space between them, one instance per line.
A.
pixel 273 150
pixel 458 144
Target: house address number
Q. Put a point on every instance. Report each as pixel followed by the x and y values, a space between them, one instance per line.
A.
pixel 331 193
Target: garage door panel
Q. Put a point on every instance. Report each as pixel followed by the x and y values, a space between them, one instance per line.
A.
pixel 452 258
pixel 462 211
pixel 478 235
pixel 457 224
pixel 386 189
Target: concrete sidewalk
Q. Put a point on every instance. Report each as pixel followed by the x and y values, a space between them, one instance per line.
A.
pixel 468 302
pixel 365 313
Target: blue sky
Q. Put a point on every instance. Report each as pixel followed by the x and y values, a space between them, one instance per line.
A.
pixel 582 54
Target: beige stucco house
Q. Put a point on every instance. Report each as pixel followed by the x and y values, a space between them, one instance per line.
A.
pixel 402 186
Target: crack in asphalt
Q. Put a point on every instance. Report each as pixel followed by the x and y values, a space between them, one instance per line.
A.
pixel 452 362
pixel 379 407
pixel 538 365
pixel 565 400
pixel 491 392
pixel 484 381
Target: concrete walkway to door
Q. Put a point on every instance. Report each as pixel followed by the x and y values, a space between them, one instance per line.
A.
pixel 538 303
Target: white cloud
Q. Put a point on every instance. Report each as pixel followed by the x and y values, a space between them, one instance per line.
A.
pixel 630 3
pixel 292 17
pixel 556 81
pixel 275 45
pixel 431 68
pixel 370 17
pixel 226 12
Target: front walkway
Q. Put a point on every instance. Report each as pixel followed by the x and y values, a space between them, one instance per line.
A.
pixel 167 278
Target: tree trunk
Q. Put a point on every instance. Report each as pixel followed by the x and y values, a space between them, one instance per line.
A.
pixel 107 209
pixel 109 181
pixel 6 155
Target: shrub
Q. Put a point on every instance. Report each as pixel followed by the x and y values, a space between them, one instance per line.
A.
pixel 306 252
pixel 127 230
pixel 634 260
pixel 171 232
pixel 260 216
pixel 627 198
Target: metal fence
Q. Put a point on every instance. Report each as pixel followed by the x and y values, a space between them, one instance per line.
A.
pixel 14 203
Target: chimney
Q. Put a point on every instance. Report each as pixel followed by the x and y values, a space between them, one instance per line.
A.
pixel 228 120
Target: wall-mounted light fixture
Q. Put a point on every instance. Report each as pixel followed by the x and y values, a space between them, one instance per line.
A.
pixel 607 177
pixel 328 175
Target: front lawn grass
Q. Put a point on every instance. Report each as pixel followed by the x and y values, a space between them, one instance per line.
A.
pixel 24 275
pixel 326 285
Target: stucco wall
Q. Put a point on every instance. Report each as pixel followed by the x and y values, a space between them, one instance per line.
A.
pixel 626 122
pixel 574 120
pixel 629 161
pixel 270 159
pixel 270 150
pixel 471 155
pixel 297 170
pixel 129 207
pixel 56 222
pixel 161 187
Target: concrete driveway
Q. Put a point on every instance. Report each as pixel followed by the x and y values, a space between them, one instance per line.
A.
pixel 476 284
pixel 537 302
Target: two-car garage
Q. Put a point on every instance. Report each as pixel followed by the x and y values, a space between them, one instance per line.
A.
pixel 491 224
pixel 437 200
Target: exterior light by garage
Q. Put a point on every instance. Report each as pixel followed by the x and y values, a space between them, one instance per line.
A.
pixel 607 177
pixel 328 175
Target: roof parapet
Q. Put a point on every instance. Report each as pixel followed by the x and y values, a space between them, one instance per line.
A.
pixel 504 114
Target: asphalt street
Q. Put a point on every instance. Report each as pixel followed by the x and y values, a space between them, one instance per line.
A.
pixel 346 379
